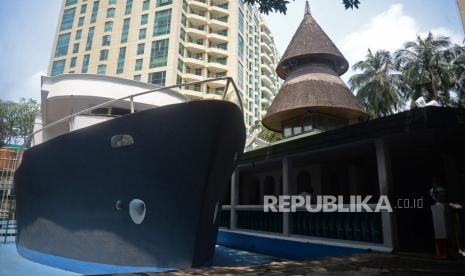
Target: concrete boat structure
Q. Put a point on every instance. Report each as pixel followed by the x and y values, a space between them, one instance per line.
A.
pixel 125 186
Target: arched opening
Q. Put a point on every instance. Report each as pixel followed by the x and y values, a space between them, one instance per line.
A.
pixel 250 192
pixel 269 186
pixel 304 183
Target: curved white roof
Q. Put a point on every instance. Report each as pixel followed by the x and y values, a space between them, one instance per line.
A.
pixel 107 87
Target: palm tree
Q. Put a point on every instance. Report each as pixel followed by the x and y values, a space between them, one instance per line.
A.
pixel 376 85
pixel 426 68
pixel 458 66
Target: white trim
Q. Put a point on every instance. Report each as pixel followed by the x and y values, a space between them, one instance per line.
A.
pixel 315 240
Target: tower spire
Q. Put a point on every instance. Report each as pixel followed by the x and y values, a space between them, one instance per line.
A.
pixel 307 8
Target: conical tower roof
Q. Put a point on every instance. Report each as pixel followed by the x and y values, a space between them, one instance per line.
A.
pixel 311 42
pixel 311 67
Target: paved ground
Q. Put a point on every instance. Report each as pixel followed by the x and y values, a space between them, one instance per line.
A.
pixel 12 264
pixel 363 264
pixel 235 262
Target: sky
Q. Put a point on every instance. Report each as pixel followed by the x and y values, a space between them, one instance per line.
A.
pixel 28 27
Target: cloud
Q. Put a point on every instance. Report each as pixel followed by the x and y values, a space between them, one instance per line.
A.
pixel 388 31
pixel 30 88
pixel 455 37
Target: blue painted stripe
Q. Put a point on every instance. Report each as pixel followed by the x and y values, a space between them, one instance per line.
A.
pixel 82 267
pixel 282 248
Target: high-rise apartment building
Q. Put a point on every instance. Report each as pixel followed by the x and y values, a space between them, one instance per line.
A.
pixel 167 42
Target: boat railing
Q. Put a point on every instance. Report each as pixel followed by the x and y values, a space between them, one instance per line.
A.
pixel 229 82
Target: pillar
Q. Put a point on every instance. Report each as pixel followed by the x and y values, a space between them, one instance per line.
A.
pixel 383 161
pixel 234 198
pixel 287 178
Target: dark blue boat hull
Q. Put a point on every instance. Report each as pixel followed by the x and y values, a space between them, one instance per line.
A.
pixel 180 166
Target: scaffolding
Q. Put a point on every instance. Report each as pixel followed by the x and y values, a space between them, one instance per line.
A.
pixel 8 162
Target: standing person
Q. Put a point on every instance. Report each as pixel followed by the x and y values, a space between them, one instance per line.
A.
pixel 440 211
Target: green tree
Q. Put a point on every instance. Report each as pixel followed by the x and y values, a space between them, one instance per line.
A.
pixel 426 67
pixel 264 133
pixel 267 6
pixel 17 120
pixel 458 66
pixel 377 84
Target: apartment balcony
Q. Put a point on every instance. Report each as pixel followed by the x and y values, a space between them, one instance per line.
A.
pixel 218 83
pixel 198 4
pixel 265 38
pixel 217 64
pixel 266 91
pixel 195 46
pixel 218 37
pixel 266 68
pixel 196 32
pixel 267 80
pixel 219 9
pixel 197 17
pixel 266 58
pixel 264 28
pixel 218 22
pixel 217 51
pixel 192 75
pixel 194 60
pixel 266 47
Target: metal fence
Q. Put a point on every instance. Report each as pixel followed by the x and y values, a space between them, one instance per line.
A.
pixel 8 162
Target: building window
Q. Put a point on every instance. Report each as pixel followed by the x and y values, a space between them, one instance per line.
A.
pixel 137 77
pixel 161 3
pixel 108 26
pixel 90 38
pixel 102 69
pixel 182 35
pixel 240 74
pixel 183 20
pixel 181 49
pixel 106 40
pixel 139 64
pixel 81 21
pixel 78 34
pixel 62 45
pixel 159 53
pixel 146 5
pixel 58 67
pixel 128 7
pixel 184 5
pixel 85 64
pixel 142 33
pixel 112 2
pixel 103 55
pixel 140 49
pixel 121 58
pixel 162 22
pixel 144 19
pixel 70 2
pixel 240 46
pixel 73 62
pixel 68 19
pixel 75 48
pixel 180 65
pixel 94 15
pixel 83 8
pixel 158 78
pixel 124 35
pixel 111 12
pixel 241 22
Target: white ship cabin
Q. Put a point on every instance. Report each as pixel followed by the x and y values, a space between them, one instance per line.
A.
pixel 64 95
